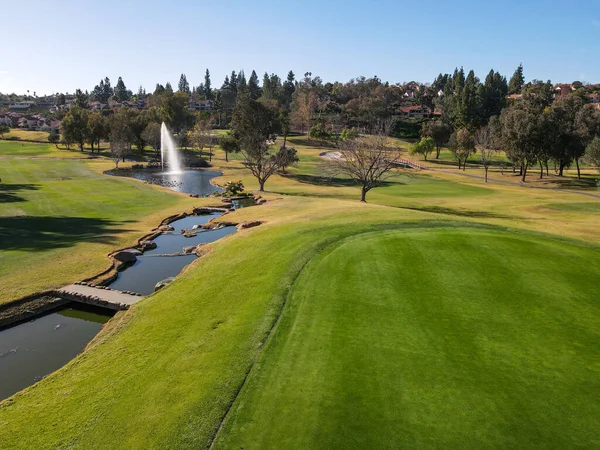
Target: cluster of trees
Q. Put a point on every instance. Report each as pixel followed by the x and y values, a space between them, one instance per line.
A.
pixel 532 127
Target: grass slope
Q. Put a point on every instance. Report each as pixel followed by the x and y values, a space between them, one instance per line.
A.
pixel 431 338
pixel 164 376
pixel 59 219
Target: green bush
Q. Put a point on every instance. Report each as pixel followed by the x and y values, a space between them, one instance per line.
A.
pixel 319 132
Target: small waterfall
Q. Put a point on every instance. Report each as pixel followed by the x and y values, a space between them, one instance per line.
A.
pixel 168 146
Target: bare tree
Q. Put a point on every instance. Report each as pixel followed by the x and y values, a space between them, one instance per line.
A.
pixel 368 160
pixel 118 150
pixel 484 142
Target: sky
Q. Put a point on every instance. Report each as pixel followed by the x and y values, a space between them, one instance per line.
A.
pixel 62 45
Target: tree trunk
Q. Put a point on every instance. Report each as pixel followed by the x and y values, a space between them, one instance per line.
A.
pixel 226 156
pixel 547 174
pixel 284 140
pixel 81 147
pixel 524 173
pixel 541 171
pixel 486 173
pixel 578 170
pixel 561 168
pixel 437 152
pixel 363 195
pixel 262 185
pixel 92 146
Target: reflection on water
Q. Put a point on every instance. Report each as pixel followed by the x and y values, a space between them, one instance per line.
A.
pixel 32 350
pixel 148 270
pixel 188 181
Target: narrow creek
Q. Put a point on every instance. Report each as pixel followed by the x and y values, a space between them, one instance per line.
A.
pixel 31 350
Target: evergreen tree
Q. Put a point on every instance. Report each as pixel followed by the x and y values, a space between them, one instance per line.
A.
pixel 168 88
pixel 515 85
pixel 159 89
pixel 121 92
pixel 183 86
pixel 242 85
pixel 253 87
pixel 233 82
pixel 289 87
pixel 207 86
pixel 81 99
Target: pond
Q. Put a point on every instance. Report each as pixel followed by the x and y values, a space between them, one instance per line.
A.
pixel 31 350
pixel 191 181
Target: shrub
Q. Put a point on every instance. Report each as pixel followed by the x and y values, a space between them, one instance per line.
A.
pixel 319 132
pixel 233 188
pixel 348 133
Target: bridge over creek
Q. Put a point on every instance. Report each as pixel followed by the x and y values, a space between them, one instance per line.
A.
pixel 98 296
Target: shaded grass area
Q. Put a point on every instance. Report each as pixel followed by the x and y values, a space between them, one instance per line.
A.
pixel 431 338
pixel 59 219
pixel 584 207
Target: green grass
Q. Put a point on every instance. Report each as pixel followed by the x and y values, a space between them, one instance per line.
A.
pixel 18 148
pixel 59 219
pixel 431 338
pixel 583 207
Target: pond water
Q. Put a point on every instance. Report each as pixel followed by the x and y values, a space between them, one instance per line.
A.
pixel 149 269
pixel 31 350
pixel 191 181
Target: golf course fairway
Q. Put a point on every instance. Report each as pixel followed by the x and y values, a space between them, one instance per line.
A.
pixel 430 338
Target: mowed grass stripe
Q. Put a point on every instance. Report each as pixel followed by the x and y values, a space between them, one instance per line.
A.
pixel 431 339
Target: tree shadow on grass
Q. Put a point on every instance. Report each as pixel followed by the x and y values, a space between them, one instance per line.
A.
pixel 458 212
pixel 33 233
pixel 328 181
pixel 8 192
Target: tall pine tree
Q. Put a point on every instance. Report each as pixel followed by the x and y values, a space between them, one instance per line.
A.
pixel 253 87
pixel 184 86
pixel 516 81
pixel 208 93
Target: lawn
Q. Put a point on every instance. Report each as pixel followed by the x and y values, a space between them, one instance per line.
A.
pixel 431 338
pixel 28 135
pixel 33 149
pixel 59 219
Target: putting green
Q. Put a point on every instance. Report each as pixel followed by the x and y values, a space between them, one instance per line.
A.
pixel 445 338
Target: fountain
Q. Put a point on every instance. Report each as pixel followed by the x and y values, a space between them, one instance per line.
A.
pixel 167 143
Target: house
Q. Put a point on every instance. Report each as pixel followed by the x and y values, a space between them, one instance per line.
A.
pixel 55 126
pixel 562 90
pixel 594 98
pixel 415 112
pixel 5 119
pixel 514 96
pixel 97 106
pixel 21 106
pixel 200 105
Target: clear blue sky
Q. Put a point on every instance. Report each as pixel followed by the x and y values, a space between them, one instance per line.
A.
pixel 62 45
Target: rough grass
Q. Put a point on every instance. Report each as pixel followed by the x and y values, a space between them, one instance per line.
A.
pixel 59 219
pixel 431 338
pixel 29 135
